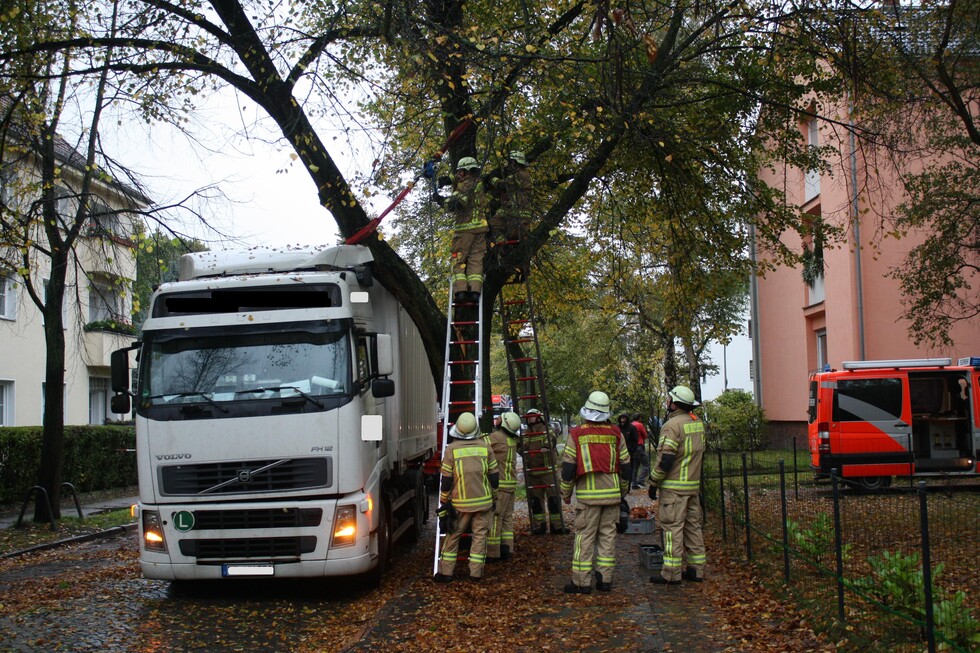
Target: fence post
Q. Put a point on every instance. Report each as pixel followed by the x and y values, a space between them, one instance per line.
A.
pixel 782 502
pixel 748 520
pixel 838 550
pixel 721 485
pixel 927 567
pixel 796 478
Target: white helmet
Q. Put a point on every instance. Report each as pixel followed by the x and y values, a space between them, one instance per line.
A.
pixel 681 394
pixel 596 408
pixel 466 427
pixel 518 157
pixel 534 412
pixel 468 163
pixel 511 422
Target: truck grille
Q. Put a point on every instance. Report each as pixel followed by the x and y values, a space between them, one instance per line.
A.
pixel 246 477
pixel 258 548
pixel 265 518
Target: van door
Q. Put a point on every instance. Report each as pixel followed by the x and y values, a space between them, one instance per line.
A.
pixel 873 427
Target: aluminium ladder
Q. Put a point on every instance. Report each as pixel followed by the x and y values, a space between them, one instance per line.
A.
pixel 461 375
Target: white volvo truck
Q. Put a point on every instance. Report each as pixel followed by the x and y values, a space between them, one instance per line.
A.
pixel 284 406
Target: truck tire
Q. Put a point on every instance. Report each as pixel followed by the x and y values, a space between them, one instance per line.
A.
pixel 872 483
pixel 373 577
pixel 419 504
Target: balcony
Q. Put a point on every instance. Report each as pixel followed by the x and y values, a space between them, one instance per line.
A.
pixel 98 344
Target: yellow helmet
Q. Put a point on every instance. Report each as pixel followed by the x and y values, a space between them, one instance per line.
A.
pixel 511 422
pixel 466 427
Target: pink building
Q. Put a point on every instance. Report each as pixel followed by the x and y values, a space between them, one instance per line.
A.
pixel 850 312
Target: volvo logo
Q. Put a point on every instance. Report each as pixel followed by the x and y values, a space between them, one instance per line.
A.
pixel 174 456
pixel 244 475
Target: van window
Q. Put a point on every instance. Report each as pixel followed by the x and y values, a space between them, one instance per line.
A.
pixel 811 411
pixel 868 400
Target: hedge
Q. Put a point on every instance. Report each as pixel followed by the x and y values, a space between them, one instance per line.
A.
pixel 96 458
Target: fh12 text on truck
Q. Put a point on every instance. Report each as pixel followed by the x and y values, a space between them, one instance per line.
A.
pixel 284 407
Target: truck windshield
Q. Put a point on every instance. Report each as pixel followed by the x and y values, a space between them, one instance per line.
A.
pixel 244 367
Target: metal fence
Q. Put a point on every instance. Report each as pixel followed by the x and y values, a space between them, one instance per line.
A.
pixel 891 569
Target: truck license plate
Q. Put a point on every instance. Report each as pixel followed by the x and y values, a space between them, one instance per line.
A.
pixel 228 570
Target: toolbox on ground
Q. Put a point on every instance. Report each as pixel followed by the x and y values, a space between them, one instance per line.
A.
pixel 640 525
pixel 651 556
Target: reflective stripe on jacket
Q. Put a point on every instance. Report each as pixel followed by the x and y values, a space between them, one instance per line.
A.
pixel 469 463
pixel 597 452
pixel 683 436
pixel 505 451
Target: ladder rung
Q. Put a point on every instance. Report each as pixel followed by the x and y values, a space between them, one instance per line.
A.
pixel 541 487
pixel 462 362
pixel 463 342
pixel 464 382
pixel 522 360
pixel 522 397
pixel 462 403
pixel 514 302
pixel 527 378
pixel 520 341
pixel 465 322
pixel 525 320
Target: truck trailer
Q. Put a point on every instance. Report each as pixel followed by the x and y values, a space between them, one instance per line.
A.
pixel 283 407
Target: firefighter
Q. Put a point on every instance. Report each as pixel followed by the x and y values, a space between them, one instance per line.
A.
pixel 677 475
pixel 469 247
pixel 513 188
pixel 596 465
pixel 537 448
pixel 503 441
pixel 466 497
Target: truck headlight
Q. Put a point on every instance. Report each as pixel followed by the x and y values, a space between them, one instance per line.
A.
pixel 344 526
pixel 153 531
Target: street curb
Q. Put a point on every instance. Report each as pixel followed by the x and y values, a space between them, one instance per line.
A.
pixel 78 539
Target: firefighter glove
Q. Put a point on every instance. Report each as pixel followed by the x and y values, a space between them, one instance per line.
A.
pixel 447 515
pixel 429 169
pixel 652 492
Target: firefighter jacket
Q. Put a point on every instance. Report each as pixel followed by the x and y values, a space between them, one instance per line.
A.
pixel 537 447
pixel 514 190
pixel 469 206
pixel 504 448
pixel 469 475
pixel 680 454
pixel 596 465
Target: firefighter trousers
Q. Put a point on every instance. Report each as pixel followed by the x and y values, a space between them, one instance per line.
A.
pixel 680 519
pixel 502 528
pixel 478 524
pixel 595 539
pixel 469 248
pixel 544 500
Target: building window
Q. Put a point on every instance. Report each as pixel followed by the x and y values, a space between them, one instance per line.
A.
pixel 98 400
pixel 103 221
pixel 8 298
pixel 105 302
pixel 811 180
pixel 6 403
pixel 821 349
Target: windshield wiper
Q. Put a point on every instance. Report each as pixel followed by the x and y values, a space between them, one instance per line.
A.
pixel 191 393
pixel 280 388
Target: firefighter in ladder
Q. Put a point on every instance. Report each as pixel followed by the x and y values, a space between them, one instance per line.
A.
pixel 538 447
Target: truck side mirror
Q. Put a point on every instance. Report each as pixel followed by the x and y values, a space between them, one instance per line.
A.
pixel 385 365
pixel 381 388
pixel 119 404
pixel 119 362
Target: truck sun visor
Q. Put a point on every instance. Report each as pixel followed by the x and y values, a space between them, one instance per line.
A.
pixel 202 302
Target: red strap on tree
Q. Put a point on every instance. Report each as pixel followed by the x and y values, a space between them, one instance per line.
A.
pixel 372 226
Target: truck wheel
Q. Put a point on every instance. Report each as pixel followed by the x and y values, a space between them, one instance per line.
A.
pixel 373 577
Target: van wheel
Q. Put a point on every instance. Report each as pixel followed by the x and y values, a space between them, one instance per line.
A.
pixel 873 482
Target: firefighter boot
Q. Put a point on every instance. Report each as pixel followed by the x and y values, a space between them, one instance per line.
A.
pixel 691 574
pixel 601 586
pixel 504 552
pixel 572 588
pixel 442 578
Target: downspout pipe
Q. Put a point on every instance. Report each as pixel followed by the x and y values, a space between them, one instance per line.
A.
pixel 754 313
pixel 856 225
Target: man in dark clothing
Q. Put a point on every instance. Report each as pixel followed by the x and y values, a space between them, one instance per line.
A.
pixel 630 433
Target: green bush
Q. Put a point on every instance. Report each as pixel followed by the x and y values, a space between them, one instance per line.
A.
pixel 734 422
pixel 96 458
pixel 816 543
